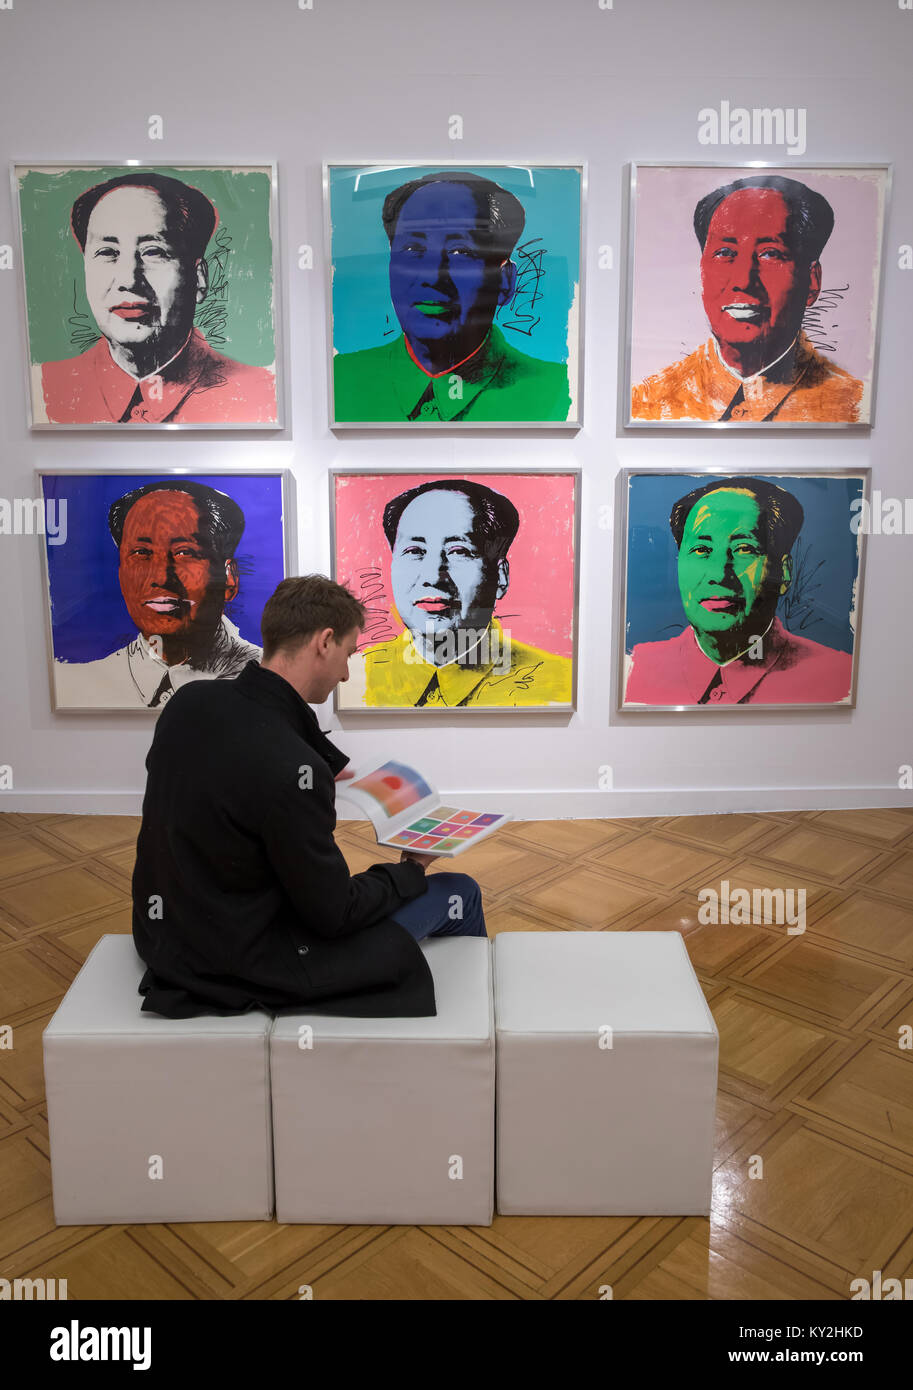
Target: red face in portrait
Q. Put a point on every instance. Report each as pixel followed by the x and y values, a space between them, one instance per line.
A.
pixel 755 290
pixel 173 584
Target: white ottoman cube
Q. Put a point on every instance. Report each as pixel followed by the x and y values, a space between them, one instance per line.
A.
pixel 131 1095
pixel 390 1121
pixel 607 1069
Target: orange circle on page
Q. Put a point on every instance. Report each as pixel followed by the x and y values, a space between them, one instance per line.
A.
pixel 394 782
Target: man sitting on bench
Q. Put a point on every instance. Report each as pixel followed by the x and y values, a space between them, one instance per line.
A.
pixel 241 897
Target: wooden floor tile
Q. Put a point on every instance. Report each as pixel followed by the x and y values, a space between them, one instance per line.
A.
pixel 22 1067
pixel 501 867
pixel 24 1180
pixel 897 1019
pixel 660 861
pixel 113 1265
pixel 78 941
pixel 251 1254
pixel 736 1119
pixel 872 924
pixel 895 876
pixel 572 838
pixel 91 834
pixel 762 1047
pixel 678 913
pixel 754 875
pixel 13 823
pixel 715 949
pixel 23 854
pixel 821 981
pixel 828 856
pixel 888 827
pixel 518 918
pixel 723 834
pixel 584 899
pixel 413 1265
pixel 823 1196
pixel 52 897
pixel 872 1093
pixel 26 980
pixel 695 1270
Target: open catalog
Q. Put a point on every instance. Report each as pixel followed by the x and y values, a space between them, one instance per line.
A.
pixel 406 812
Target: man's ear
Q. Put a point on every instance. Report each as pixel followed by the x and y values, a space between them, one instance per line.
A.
pixel 202 273
pixel 503 578
pixel 232 581
pixel 324 641
pixel 814 282
pixel 786 574
pixel 508 282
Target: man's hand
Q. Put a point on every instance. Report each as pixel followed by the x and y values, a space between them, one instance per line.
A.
pixel 426 860
pixel 344 776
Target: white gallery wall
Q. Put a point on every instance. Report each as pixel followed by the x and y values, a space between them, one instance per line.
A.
pixel 245 81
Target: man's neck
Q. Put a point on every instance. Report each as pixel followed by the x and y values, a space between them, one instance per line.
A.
pixel 301 684
pixel 435 359
pixel 141 362
pixel 723 647
pixel 746 365
pixel 174 651
pixel 425 644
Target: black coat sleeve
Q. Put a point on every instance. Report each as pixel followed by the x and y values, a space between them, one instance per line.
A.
pixel 315 877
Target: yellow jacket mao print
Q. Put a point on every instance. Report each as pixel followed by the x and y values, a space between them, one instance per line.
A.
pixel 394 675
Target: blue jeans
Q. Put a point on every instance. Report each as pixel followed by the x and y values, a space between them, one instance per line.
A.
pixel 435 912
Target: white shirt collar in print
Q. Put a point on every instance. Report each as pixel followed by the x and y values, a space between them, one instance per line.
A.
pixel 148 670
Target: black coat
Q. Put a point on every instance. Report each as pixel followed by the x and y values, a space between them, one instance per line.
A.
pixel 241 896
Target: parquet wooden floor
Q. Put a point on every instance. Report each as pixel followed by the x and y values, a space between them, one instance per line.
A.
pixel 813 1078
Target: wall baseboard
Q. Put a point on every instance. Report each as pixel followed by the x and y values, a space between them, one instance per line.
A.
pixel 583 804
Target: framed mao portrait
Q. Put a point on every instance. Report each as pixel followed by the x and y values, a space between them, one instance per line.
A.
pixel 741 589
pixel 470 585
pixel 455 294
pixel 149 295
pixel 156 579
pixel 753 295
